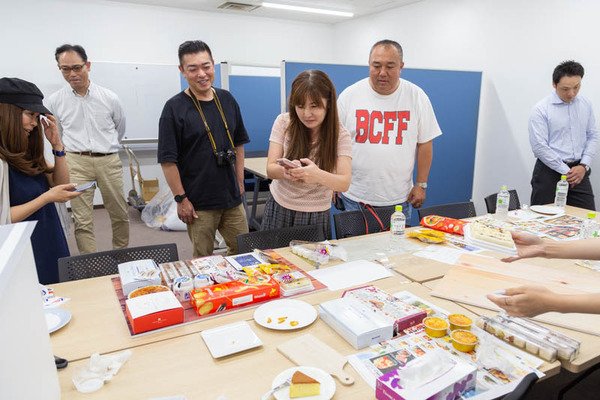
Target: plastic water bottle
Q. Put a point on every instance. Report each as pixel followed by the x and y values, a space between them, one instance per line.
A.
pixel 589 227
pixel 562 189
pixel 502 202
pixel 397 226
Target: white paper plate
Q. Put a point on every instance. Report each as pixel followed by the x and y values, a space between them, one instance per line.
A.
pixel 547 210
pixel 485 245
pixel 56 318
pixel 230 339
pixel 291 310
pixel 327 383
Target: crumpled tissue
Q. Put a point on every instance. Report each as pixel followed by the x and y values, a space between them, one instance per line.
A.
pixel 100 369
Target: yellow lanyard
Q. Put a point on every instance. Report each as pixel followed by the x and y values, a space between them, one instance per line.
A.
pixel 218 103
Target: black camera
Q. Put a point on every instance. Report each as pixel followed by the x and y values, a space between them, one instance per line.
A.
pixel 225 158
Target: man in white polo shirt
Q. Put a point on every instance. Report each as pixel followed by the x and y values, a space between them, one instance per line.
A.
pixel 390 120
pixel 91 121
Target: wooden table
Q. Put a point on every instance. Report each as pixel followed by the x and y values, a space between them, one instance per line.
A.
pixel 176 360
pixel 183 364
pixel 258 168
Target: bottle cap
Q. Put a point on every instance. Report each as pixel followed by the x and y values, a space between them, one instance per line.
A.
pixel 563 177
pixel 503 187
pixel 398 208
pixel 591 214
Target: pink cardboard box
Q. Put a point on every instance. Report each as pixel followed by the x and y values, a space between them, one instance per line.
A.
pixel 458 380
pixel 404 315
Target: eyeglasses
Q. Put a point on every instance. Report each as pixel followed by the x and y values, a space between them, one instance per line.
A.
pixel 65 69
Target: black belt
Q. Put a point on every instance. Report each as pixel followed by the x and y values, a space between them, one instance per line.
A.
pixel 89 153
pixel 571 164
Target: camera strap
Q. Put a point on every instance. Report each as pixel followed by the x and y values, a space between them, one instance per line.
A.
pixel 220 108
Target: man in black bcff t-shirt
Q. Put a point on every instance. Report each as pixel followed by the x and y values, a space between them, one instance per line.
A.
pixel 200 149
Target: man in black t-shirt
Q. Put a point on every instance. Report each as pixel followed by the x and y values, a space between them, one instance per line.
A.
pixel 201 151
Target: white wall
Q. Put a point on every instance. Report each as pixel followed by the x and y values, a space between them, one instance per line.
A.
pixel 119 32
pixel 515 43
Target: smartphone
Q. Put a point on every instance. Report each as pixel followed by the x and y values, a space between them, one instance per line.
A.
pixel 85 186
pixel 284 162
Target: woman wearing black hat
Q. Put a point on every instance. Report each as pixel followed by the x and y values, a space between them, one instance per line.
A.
pixel 27 183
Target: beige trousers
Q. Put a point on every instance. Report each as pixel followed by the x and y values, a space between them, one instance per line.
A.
pixel 107 171
pixel 230 222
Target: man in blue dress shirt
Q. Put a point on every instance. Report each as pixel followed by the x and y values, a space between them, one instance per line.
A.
pixel 563 137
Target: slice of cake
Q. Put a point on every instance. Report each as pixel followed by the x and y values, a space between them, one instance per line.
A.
pixel 491 234
pixel 303 385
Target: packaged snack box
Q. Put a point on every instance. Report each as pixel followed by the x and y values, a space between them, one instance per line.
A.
pixel 217 298
pixel 153 311
pixel 444 224
pixel 404 315
pixel 137 274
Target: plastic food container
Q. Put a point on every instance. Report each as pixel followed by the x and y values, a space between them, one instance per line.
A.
pixel 459 321
pixel 463 340
pixel 435 327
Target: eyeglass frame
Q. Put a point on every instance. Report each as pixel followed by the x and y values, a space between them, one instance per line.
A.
pixel 65 69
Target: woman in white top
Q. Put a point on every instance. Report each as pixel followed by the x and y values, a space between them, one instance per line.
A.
pixel 311 136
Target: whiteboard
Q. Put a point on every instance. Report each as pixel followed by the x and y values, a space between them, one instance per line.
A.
pixel 143 90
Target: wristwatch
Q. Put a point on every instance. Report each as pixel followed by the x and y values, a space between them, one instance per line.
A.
pixel 587 167
pixel 422 184
pixel 179 197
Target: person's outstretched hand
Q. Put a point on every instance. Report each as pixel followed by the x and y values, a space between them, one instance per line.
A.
pixel 524 301
pixel 528 245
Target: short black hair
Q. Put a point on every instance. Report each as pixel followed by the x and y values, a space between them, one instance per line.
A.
pixel 567 68
pixel 388 42
pixel 71 47
pixel 193 47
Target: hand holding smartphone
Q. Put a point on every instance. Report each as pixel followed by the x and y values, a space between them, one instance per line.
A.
pixel 84 186
pixel 284 162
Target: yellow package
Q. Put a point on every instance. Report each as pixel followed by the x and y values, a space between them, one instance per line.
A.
pixel 428 236
pixel 271 269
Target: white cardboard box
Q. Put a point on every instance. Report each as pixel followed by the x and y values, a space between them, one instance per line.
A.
pixel 356 322
pixel 137 274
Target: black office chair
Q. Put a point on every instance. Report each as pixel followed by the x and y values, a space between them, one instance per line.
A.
pixel 362 222
pixel 522 388
pixel 513 204
pixel 106 262
pixel 281 237
pixel 453 210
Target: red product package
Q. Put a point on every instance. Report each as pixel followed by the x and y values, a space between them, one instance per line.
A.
pixel 444 224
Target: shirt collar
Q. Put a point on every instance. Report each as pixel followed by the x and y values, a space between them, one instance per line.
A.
pixel 557 100
pixel 90 88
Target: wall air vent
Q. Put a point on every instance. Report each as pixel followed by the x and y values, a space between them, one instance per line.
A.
pixel 232 5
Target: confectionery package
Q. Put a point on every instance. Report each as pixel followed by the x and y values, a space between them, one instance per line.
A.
pixel 403 314
pixel 223 296
pixel 356 322
pixel 137 274
pixel 444 224
pixel 536 339
pixel 153 311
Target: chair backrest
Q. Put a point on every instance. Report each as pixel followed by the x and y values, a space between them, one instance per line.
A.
pixel 453 210
pixel 513 204
pixel 522 388
pixel 281 237
pixel 106 262
pixel 352 223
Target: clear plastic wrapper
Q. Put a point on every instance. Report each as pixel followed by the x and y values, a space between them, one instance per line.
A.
pixel 536 339
pixel 319 252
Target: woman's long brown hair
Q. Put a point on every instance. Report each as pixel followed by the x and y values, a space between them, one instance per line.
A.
pixel 314 85
pixel 22 153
